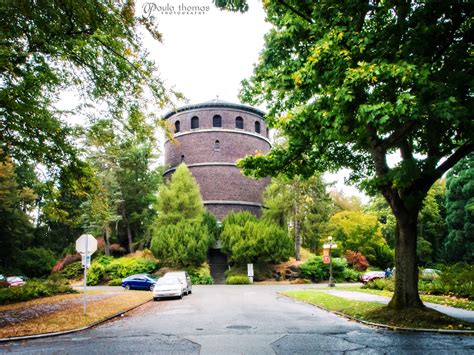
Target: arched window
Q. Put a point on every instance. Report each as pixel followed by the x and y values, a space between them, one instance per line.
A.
pixel 194 122
pixel 257 126
pixel 177 126
pixel 217 121
pixel 239 122
pixel 217 145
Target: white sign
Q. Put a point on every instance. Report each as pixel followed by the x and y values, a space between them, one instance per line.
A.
pixel 86 261
pixel 330 246
pixel 86 241
pixel 250 270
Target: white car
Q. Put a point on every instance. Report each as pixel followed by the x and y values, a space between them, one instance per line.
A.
pixel 184 278
pixel 167 287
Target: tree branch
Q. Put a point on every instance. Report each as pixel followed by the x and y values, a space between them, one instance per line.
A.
pixel 398 135
pixel 453 159
pixel 296 11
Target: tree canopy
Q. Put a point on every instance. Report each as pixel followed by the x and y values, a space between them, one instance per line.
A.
pixel 350 83
pixel 89 47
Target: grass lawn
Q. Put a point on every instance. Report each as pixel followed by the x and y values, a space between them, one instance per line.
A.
pixel 451 301
pixel 378 313
pixel 70 316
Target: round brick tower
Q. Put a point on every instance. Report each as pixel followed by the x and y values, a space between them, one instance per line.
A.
pixel 210 137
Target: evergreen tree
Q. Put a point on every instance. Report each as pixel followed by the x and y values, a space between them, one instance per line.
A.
pixel 180 235
pixel 459 244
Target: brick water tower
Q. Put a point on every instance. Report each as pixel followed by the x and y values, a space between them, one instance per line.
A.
pixel 210 137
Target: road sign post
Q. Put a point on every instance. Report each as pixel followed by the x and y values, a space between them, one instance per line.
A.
pixel 250 272
pixel 86 245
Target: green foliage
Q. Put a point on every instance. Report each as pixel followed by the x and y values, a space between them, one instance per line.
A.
pixel 15 226
pixel 237 280
pixel 34 289
pixel 387 284
pixel 248 240
pixel 180 199
pixel 93 48
pixel 357 231
pixel 304 202
pixel 459 244
pixel 72 271
pixel 182 244
pixel 115 282
pixel 106 268
pixel 457 280
pixel 201 275
pixel 261 271
pixel 315 270
pixel 36 262
pixel 350 83
pixel 210 221
pixel 95 274
pixel 126 266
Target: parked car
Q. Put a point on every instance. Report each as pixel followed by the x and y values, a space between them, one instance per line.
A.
pixel 15 281
pixel 429 274
pixel 168 287
pixel 139 282
pixel 184 278
pixel 372 275
pixel 3 281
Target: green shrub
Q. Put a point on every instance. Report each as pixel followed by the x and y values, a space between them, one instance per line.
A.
pixel 381 284
pixel 316 270
pixel 350 275
pixel 72 271
pixel 237 280
pixel 182 244
pixel 36 262
pixel 248 240
pixel 34 289
pixel 201 275
pixel 126 266
pixel 95 274
pixel 115 282
pixel 261 271
pixel 457 280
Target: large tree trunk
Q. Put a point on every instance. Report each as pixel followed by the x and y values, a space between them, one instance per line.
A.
pixel 406 273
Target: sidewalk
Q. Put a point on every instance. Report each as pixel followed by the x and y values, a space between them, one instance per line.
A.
pixel 458 313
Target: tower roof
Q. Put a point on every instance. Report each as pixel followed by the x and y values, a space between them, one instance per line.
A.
pixel 216 103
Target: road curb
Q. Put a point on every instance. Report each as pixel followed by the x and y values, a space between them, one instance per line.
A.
pixel 385 326
pixel 47 335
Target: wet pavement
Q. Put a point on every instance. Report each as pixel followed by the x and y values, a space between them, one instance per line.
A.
pixel 240 320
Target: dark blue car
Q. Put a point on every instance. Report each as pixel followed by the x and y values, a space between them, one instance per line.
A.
pixel 139 282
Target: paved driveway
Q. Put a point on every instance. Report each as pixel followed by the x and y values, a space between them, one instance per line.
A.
pixel 240 320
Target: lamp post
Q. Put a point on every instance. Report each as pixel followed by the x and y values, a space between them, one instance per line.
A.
pixel 331 281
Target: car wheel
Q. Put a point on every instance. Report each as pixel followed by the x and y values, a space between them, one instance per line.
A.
pixel 190 291
pixel 156 298
pixel 127 287
pixel 151 287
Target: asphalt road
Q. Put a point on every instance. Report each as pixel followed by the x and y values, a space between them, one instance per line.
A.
pixel 239 320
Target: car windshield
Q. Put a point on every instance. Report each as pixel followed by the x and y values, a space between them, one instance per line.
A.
pixel 167 281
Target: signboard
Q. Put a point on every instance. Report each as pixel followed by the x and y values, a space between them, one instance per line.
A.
pixel 86 261
pixel 250 270
pixel 86 244
pixel 326 259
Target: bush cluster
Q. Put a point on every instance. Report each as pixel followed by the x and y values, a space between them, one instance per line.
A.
pixel 201 275
pixel 316 270
pixel 249 240
pixel 456 280
pixel 261 271
pixel 115 282
pixel 237 280
pixel 356 260
pixel 106 268
pixel 34 289
pixel 72 271
pixel 36 262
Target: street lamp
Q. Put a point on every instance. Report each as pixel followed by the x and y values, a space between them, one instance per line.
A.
pixel 331 281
